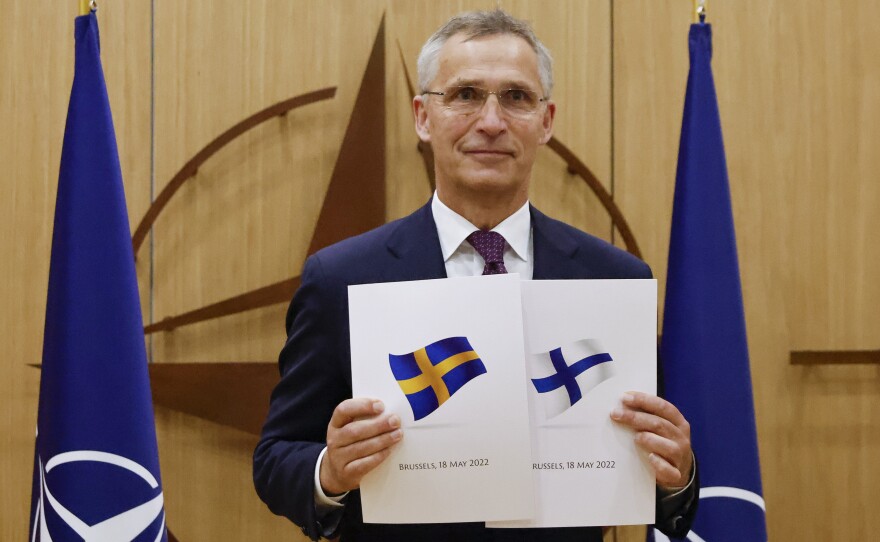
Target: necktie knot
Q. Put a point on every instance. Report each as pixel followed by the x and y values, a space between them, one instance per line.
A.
pixel 489 245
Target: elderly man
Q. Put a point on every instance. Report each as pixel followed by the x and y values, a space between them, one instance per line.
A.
pixel 484 108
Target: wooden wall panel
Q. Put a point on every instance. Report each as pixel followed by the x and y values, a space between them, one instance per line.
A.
pixel 795 86
pixel 246 219
pixel 833 89
pixel 36 60
pixel 650 71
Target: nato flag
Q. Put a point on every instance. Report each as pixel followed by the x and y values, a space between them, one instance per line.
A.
pixel 704 352
pixel 96 465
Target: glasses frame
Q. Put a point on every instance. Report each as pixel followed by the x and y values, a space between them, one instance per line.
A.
pixel 541 99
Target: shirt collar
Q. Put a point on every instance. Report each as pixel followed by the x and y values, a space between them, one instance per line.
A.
pixel 453 229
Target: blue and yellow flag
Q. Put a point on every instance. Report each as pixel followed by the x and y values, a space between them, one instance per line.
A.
pixel 431 375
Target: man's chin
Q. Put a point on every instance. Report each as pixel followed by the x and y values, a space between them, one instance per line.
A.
pixel 497 183
pixel 489 159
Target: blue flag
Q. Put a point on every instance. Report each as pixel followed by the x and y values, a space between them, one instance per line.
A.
pixel 96 464
pixel 431 375
pixel 703 349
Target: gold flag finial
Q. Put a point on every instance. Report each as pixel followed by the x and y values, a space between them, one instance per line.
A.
pixel 87 6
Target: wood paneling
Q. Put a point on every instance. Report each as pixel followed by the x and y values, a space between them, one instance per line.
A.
pixel 209 489
pixel 247 218
pixel 797 89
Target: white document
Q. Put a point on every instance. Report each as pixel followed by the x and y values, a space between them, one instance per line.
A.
pixel 587 343
pixel 446 356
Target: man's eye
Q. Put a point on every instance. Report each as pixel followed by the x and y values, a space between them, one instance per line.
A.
pixel 466 94
pixel 518 95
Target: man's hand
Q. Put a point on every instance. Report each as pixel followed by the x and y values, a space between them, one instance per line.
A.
pixel 661 431
pixel 359 437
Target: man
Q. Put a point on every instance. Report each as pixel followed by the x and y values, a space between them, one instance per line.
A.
pixel 484 108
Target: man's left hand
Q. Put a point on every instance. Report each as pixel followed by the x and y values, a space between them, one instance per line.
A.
pixel 662 432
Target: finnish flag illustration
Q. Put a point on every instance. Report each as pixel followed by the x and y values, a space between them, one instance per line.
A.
pixel 562 376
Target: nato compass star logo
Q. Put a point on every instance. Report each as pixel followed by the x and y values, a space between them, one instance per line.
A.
pixel 98 515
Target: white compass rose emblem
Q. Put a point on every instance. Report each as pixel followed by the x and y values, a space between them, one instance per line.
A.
pixel 123 526
pixel 715 492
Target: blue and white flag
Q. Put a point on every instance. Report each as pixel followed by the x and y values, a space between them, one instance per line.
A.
pixel 96 464
pixel 562 376
pixel 703 350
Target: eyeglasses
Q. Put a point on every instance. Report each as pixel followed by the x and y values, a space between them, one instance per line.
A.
pixel 467 100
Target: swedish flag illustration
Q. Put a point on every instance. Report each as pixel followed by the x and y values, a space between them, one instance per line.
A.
pixel 430 375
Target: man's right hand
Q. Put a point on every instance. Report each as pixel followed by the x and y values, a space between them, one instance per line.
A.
pixel 359 438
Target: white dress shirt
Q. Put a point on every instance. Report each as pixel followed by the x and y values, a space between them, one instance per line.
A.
pixel 462 260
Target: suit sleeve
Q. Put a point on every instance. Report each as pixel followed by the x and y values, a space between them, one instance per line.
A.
pixel 674 515
pixel 313 366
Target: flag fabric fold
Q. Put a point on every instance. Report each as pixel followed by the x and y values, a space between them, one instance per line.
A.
pixel 703 350
pixel 96 465
pixel 431 375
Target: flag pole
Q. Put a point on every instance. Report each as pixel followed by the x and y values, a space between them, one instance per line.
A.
pixel 700 10
pixel 85 7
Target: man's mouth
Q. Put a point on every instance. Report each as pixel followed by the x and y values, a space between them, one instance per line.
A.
pixel 489 152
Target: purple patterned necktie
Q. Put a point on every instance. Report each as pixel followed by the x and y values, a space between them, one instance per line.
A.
pixel 490 245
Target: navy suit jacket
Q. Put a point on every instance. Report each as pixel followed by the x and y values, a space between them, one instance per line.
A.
pixel 316 373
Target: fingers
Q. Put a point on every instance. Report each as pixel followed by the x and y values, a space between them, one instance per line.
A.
pixel 358 468
pixel 669 458
pixel 353 409
pixel 342 470
pixel 645 412
pixel 365 420
pixel 662 432
pixel 666 474
pixel 359 437
pixel 642 421
pixel 371 445
pixel 654 405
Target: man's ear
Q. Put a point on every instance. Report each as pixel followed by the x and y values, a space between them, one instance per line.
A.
pixel 423 123
pixel 547 122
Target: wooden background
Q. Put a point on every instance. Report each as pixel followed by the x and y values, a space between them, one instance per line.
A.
pixel 799 92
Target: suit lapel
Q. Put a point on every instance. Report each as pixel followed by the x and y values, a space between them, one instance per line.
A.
pixel 416 247
pixel 555 250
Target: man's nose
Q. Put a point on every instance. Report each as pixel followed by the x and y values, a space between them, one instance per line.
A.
pixel 491 117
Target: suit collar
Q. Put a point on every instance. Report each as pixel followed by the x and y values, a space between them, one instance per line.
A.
pixel 416 244
pixel 453 229
pixel 554 249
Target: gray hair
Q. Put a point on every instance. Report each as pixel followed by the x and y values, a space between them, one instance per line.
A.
pixel 476 24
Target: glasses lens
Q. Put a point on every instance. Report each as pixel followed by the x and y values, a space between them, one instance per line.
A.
pixel 518 100
pixel 464 99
